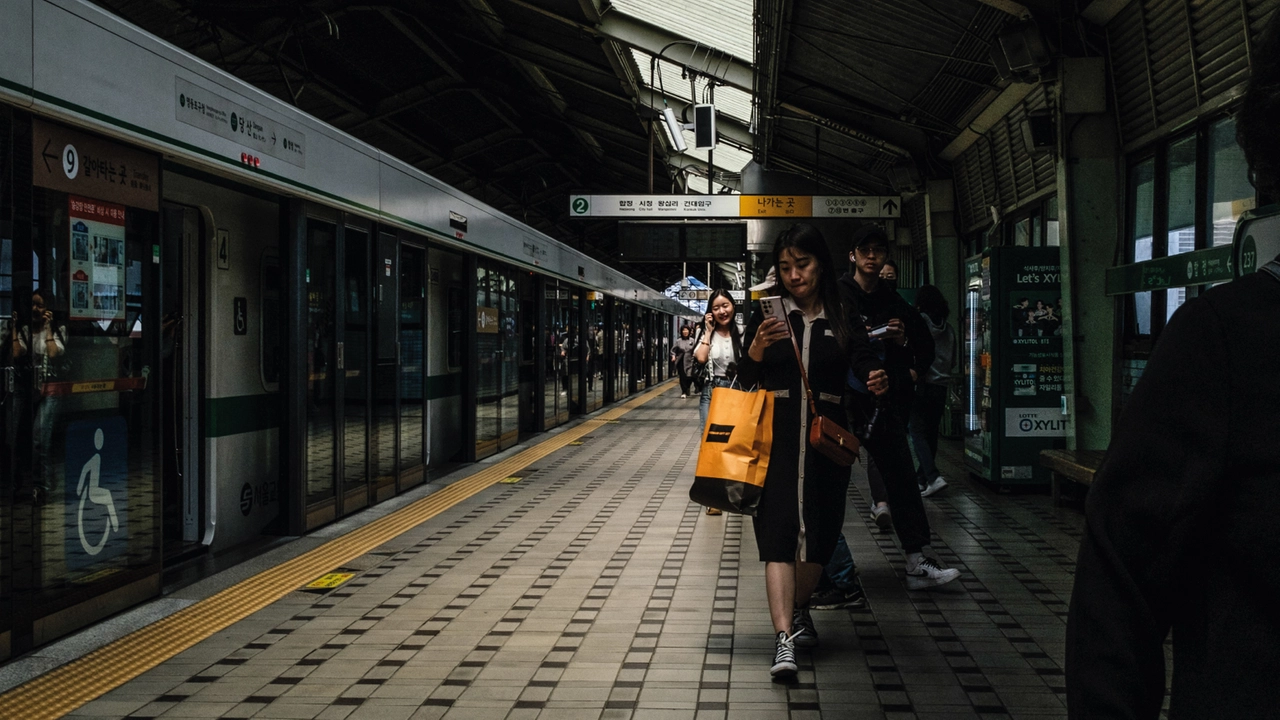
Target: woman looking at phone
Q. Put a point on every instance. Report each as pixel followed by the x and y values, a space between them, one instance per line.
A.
pixel 802 508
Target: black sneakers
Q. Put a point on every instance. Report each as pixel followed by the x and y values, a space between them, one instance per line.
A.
pixel 837 599
pixel 803 633
pixel 784 658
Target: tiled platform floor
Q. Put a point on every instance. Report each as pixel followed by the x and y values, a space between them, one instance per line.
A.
pixel 594 589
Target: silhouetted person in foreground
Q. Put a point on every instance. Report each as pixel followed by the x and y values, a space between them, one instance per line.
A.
pixel 1181 519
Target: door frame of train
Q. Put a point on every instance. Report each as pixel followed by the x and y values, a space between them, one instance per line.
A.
pixel 199 523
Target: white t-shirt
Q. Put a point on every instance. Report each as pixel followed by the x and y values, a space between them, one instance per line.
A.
pixel 721 354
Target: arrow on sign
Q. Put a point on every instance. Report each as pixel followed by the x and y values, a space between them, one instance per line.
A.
pixel 273 138
pixel 47 155
pixel 890 206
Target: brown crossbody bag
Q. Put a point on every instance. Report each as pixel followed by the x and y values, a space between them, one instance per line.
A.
pixel 825 435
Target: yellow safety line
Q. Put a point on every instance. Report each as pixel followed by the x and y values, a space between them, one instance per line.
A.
pixel 68 687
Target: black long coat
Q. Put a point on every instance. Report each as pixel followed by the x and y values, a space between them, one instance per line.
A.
pixel 802 509
pixel 1181 524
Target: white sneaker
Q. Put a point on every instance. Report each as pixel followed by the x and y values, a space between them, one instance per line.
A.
pixel 934 486
pixel 928 573
pixel 682 397
pixel 881 516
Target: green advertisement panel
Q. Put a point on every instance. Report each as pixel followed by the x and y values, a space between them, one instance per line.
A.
pixel 1013 363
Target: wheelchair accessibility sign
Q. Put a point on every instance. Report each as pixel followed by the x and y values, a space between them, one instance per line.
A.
pixel 97 498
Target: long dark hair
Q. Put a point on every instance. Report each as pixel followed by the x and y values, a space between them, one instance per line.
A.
pixel 733 324
pixel 929 300
pixel 808 239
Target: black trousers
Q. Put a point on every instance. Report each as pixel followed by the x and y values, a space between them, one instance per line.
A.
pixel 892 457
pixel 685 380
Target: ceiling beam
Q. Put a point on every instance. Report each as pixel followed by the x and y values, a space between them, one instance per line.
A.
pixel 636 33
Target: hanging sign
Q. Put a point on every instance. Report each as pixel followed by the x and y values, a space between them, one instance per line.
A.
pixel 81 164
pixel 208 111
pixel 654 207
pixel 97 265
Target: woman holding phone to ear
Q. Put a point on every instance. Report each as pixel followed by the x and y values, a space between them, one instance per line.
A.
pixel 801 510
pixel 718 347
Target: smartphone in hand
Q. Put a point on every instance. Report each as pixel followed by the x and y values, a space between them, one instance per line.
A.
pixel 772 307
pixel 878 330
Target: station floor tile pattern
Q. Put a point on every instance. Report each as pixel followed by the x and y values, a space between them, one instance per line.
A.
pixel 593 588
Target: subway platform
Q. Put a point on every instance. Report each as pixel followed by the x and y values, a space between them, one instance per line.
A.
pixel 573 578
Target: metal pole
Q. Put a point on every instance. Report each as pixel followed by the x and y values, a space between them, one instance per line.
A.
pixel 650 156
pixel 711 154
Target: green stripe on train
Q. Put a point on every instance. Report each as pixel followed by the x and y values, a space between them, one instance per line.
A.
pixel 252 413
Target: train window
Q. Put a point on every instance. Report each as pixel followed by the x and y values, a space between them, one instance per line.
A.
pixel 271 360
pixel 1230 193
pixel 455 328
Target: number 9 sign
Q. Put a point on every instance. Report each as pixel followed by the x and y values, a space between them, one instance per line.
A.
pixel 70 161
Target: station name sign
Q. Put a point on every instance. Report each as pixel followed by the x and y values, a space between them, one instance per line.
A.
pixel 734 206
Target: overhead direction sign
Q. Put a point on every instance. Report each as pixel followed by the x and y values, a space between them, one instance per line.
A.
pixel 659 207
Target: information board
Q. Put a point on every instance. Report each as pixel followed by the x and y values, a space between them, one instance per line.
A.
pixel 734 206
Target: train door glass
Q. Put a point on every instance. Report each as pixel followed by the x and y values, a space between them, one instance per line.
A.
pixel 508 303
pixel 644 349
pixel 576 351
pixel 555 394
pixel 621 342
pixel 10 287
pixel 413 366
pixel 86 350
pixel 385 381
pixel 593 306
pixel 321 360
pixel 355 369
pixel 179 380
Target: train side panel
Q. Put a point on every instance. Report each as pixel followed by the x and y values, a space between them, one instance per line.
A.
pixel 243 359
pixel 15 52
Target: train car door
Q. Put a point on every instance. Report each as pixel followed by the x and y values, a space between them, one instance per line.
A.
pixel 412 430
pixel 498 349
pixel 355 373
pixel 385 390
pixel 179 381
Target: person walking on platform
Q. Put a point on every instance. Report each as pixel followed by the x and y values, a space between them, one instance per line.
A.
pixel 908 353
pixel 931 391
pixel 1180 519
pixel 718 347
pixel 682 358
pixel 801 509
pixel 839 586
pixel 716 353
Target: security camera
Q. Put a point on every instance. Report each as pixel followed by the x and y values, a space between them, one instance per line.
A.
pixel 675 129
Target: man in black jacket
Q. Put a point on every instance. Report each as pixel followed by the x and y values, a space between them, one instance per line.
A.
pixel 908 353
pixel 1181 517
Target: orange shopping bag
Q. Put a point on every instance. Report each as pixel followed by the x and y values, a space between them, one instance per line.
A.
pixel 734 455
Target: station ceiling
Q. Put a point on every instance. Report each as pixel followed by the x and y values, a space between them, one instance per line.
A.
pixel 523 102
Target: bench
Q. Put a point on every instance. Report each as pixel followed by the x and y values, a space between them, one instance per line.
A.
pixel 1076 465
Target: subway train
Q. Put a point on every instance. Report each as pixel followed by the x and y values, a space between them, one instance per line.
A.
pixel 224 320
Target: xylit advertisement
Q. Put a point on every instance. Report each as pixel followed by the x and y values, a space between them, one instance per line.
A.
pixel 1014 363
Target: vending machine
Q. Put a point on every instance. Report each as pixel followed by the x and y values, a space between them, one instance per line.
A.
pixel 1013 371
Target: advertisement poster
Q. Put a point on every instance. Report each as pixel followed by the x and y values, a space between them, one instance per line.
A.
pixel 97 259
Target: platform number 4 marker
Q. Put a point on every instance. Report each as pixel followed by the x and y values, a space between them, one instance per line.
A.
pixel 224 249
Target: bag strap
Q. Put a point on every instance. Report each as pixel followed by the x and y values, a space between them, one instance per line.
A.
pixel 813 407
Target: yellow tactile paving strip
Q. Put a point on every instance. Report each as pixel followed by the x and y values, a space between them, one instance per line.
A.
pixel 66 688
